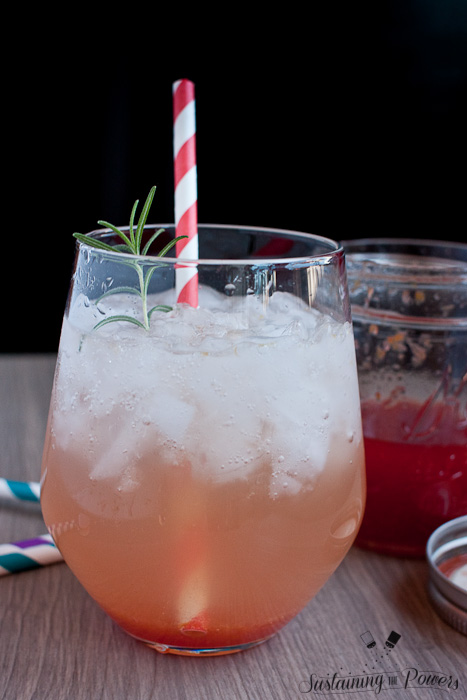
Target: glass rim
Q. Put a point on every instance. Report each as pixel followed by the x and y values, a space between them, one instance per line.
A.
pixel 336 248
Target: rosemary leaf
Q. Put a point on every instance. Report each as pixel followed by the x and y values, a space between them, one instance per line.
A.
pixel 92 242
pixel 160 307
pixel 132 220
pixel 143 218
pixel 170 245
pixel 113 319
pixel 118 290
pixel 122 235
pixel 151 240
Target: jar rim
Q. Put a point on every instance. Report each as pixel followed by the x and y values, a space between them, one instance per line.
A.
pixel 420 264
pixel 405 258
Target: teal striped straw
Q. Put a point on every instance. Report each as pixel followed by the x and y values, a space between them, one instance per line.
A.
pixel 20 490
pixel 28 554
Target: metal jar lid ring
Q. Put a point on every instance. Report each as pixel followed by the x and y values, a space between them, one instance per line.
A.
pixel 447 550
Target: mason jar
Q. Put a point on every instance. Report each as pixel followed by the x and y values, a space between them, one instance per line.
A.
pixel 409 309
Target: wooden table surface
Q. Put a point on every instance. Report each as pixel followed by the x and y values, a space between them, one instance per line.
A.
pixel 55 643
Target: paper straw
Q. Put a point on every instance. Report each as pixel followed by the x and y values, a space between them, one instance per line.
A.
pixel 20 490
pixel 28 554
pixel 186 188
pixel 193 582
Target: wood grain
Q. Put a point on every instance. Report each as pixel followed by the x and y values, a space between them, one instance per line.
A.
pixel 56 644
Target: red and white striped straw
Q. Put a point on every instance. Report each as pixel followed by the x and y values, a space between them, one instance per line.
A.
pixel 186 188
pixel 193 583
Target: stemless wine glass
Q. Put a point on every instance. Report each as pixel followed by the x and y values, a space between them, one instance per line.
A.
pixel 203 471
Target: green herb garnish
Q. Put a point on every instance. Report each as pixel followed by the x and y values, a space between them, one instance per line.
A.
pixel 132 244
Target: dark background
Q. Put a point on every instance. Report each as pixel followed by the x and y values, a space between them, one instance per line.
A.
pixel 349 122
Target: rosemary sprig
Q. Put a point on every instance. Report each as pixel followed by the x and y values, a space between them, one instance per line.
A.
pixel 132 244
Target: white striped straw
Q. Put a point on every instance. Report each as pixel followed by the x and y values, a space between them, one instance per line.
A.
pixel 186 188
pixel 28 554
pixel 20 490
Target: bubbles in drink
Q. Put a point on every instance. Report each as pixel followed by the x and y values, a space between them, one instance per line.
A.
pixel 182 378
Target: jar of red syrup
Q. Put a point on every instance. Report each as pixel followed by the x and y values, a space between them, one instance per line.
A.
pixel 409 309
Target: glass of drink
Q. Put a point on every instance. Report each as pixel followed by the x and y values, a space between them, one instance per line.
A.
pixel 409 309
pixel 203 470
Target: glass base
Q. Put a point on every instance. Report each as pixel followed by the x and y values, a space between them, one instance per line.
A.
pixel 191 651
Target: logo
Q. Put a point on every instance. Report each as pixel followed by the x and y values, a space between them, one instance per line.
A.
pixel 335 683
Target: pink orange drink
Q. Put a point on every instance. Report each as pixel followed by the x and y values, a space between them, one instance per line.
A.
pixel 204 477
